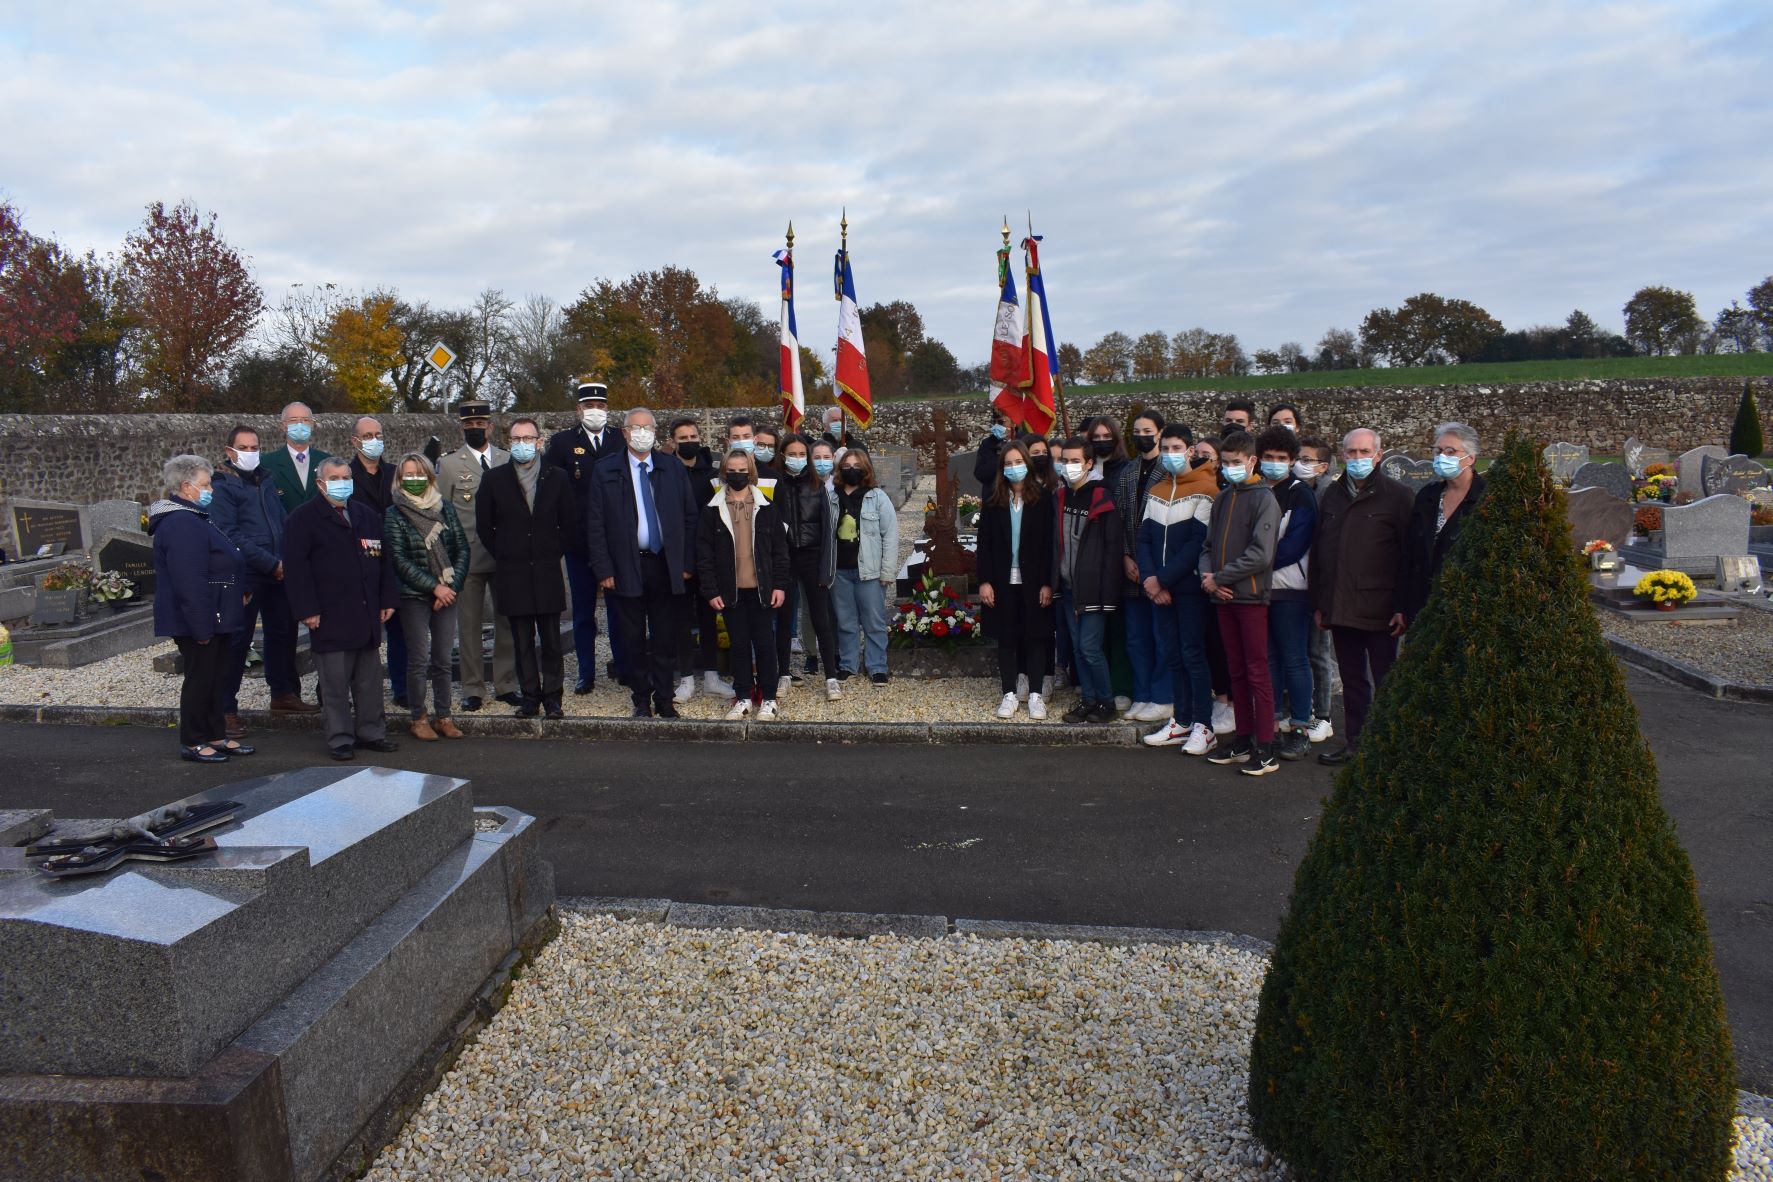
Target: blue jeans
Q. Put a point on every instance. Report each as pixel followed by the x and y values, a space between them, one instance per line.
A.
pixel 1089 635
pixel 1323 672
pixel 861 621
pixel 1289 660
pixel 1149 681
pixel 1182 650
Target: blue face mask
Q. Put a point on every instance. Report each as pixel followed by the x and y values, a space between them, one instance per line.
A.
pixel 795 465
pixel 1234 473
pixel 1016 473
pixel 1274 470
pixel 742 445
pixel 1446 467
pixel 1000 431
pixel 1175 462
pixel 339 490
pixel 523 452
pixel 765 454
pixel 1362 468
pixel 300 432
pixel 824 467
pixel 373 448
pixel 205 497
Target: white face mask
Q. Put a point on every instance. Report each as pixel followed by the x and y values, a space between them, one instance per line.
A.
pixel 595 419
pixel 246 461
pixel 640 439
pixel 1305 470
pixel 1073 472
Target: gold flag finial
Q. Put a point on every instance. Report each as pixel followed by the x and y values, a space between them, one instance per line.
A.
pixel 790 233
pixel 1006 229
pixel 845 224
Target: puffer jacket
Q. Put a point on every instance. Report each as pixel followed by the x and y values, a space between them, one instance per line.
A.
pixel 411 564
pixel 247 509
pixel 199 574
pixel 1241 537
pixel 1092 570
pixel 1178 510
pixel 1292 552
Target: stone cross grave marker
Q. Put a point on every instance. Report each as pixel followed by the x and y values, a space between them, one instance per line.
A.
pixel 36 524
pixel 1690 467
pixel 130 554
pixel 945 552
pixel 1594 513
pixel 1563 459
pixel 1408 470
pixel 1716 527
pixel 1611 478
pixel 1733 474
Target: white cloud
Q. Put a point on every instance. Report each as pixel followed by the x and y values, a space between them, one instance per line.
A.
pixel 1267 169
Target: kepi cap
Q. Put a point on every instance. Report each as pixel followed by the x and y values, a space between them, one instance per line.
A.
pixel 474 408
pixel 591 390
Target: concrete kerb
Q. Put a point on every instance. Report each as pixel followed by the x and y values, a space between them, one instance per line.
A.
pixel 1684 674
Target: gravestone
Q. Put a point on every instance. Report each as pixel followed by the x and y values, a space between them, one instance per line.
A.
pixel 254 1010
pixel 1653 456
pixel 1761 498
pixel 960 470
pixel 55 607
pixel 130 554
pixel 106 517
pixel 1407 470
pixel 1632 451
pixel 1594 513
pixel 1563 459
pixel 1739 574
pixel 1690 467
pixel 46 523
pixel 1612 479
pixel 1732 474
pixel 1716 527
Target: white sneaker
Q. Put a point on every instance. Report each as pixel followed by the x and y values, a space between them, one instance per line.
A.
pixel 1170 734
pixel 686 689
pixel 1282 725
pixel 712 684
pixel 1037 709
pixel 1224 718
pixel 766 712
pixel 741 707
pixel 1122 704
pixel 1007 707
pixel 1046 686
pixel 1157 712
pixel 833 689
pixel 1321 730
pixel 1135 711
pixel 1021 687
pixel 1200 740
pixel 794 647
pixel 783 685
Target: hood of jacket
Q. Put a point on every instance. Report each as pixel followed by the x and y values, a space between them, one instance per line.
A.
pixel 160 510
pixel 1202 481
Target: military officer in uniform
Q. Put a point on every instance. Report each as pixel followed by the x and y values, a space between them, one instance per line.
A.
pixel 574 451
pixel 459 475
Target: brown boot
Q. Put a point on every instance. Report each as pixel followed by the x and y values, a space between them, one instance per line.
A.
pixel 449 730
pixel 421 730
pixel 292 704
pixel 233 726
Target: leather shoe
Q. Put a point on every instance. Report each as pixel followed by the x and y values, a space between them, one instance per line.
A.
pixel 448 729
pixel 234 748
pixel 642 712
pixel 512 699
pixel 553 710
pixel 377 745
pixel 1338 757
pixel 471 704
pixel 527 710
pixel 421 730
pixel 233 727
pixel 400 701
pixel 582 688
pixel 342 753
pixel 195 754
pixel 667 710
pixel 292 704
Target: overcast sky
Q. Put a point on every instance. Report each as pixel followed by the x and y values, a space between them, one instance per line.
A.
pixel 1269 169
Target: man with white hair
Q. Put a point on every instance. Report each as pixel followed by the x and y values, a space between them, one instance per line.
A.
pixel 293 467
pixel 1440 513
pixel 1357 561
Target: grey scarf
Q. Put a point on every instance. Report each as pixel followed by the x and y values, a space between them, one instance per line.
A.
pixel 425 515
pixel 527 475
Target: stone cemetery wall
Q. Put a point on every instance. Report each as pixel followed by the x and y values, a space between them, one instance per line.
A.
pixel 88 458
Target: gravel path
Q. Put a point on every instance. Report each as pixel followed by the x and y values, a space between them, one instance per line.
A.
pixel 1741 653
pixel 633 1050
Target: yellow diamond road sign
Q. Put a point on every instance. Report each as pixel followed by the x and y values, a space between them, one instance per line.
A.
pixel 441 357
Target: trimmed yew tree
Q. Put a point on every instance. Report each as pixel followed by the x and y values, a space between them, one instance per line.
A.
pixel 1745 432
pixel 1494 964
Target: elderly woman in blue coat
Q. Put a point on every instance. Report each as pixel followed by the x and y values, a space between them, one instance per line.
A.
pixel 199 597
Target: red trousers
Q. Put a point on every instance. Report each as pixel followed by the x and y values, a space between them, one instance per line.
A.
pixel 1244 629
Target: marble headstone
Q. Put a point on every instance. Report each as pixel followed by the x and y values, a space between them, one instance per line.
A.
pixel 105 516
pixel 1594 513
pixel 1563 459
pixel 1690 467
pixel 1632 451
pixel 46 523
pixel 1733 474
pixel 1613 479
pixel 129 553
pixel 1716 527
pixel 1408 471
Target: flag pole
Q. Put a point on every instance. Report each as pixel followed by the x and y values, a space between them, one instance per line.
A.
pixel 1058 375
pixel 843 250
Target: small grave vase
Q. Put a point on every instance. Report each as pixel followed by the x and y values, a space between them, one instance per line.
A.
pixel 1667 607
pixel 1604 561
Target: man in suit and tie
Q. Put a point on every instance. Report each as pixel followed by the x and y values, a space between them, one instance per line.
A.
pixel 459 476
pixel 640 534
pixel 575 452
pixel 294 468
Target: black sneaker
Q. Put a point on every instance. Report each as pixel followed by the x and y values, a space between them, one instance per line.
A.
pixel 844 674
pixel 581 688
pixel 879 678
pixel 512 699
pixel 1262 761
pixel 1238 752
pixel 1080 712
pixel 1338 757
pixel 1104 712
pixel 470 704
pixel 1293 746
pixel 812 665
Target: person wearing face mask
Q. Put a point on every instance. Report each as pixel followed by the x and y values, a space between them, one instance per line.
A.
pixel 1040 460
pixel 575 452
pixel 1089 546
pixel 372 482
pixel 640 533
pixel 1236 569
pixel 1149 703
pixel 294 467
pixel 824 469
pixel 1285 414
pixel 1206 456
pixel 1440 513
pixel 767 452
pixel 1313 467
pixel 990 454
pixel 459 478
pixel 741 435
pixel 430 553
pixel 342 586
pixel 200 578
pixel 1357 562
pixel 742 556
pixel 808 512
pixel 1178 509
pixel 698 637
pixel 1289 600
pixel 525 517
pixel 867 543
pixel 1240 415
pixel 248 510
pixel 1016 533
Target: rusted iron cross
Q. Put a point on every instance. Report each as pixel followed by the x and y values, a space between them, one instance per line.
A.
pixel 945 557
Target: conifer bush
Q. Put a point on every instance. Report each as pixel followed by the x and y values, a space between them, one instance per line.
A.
pixel 1494 964
pixel 1745 433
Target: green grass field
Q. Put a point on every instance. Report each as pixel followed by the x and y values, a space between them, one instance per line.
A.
pixel 1719 365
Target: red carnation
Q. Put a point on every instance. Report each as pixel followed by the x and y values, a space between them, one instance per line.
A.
pixel 939 628
pixel 946 613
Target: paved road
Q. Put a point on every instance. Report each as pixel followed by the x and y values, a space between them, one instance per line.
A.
pixel 1069 835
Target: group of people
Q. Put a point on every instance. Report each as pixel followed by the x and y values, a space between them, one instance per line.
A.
pixel 1221 572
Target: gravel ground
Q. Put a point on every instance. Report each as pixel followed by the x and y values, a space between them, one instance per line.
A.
pixel 1742 653
pixel 633 1050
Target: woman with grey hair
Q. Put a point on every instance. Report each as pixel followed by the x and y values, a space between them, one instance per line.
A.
pixel 199 594
pixel 1441 511
pixel 430 551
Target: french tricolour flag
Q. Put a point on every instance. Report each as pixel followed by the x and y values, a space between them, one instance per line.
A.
pixel 852 359
pixel 1042 375
pixel 1008 368
pixel 793 392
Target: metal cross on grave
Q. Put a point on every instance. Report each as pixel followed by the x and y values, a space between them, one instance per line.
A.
pixel 946 556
